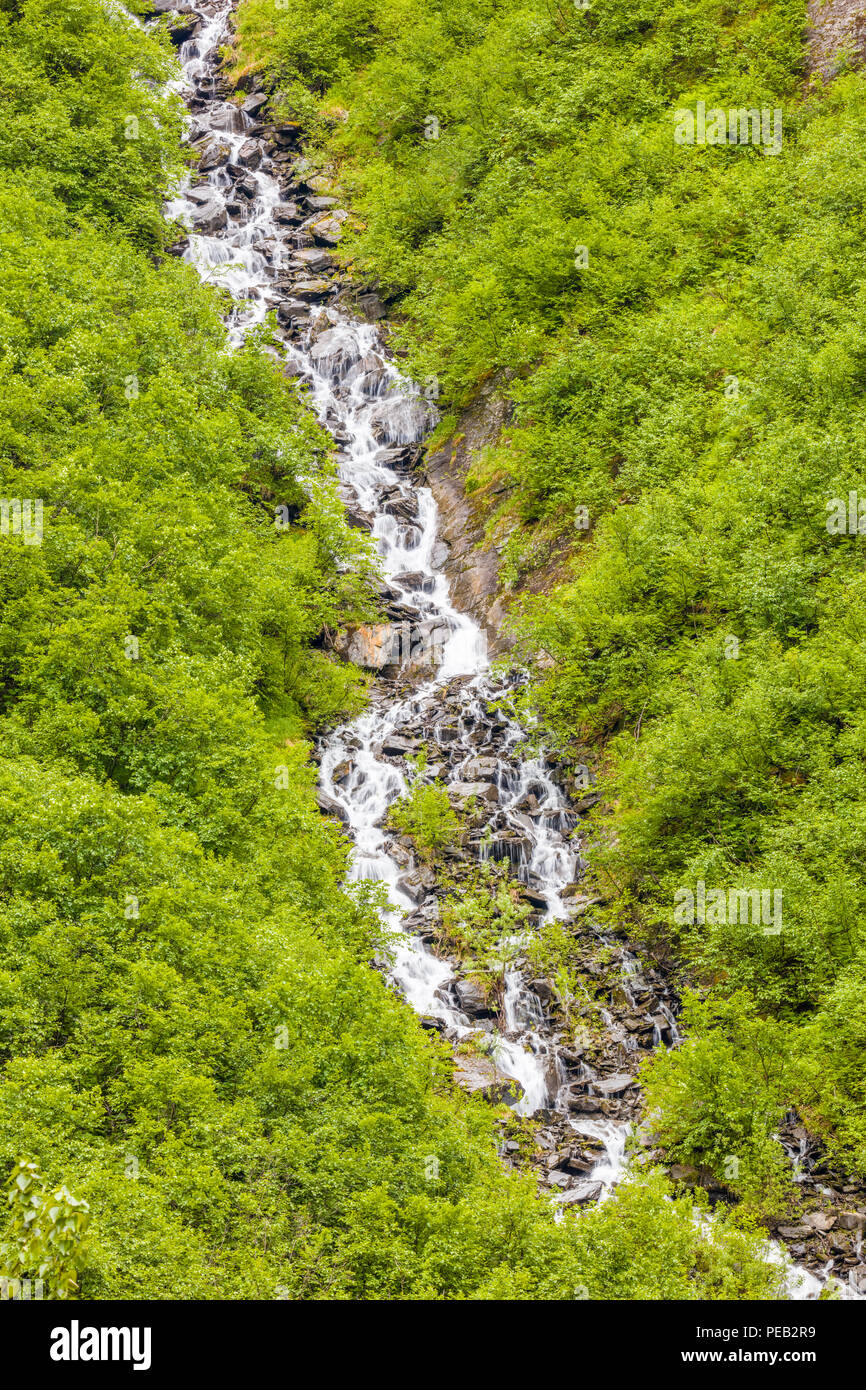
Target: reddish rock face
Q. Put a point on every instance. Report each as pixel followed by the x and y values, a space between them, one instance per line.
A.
pixel 371 645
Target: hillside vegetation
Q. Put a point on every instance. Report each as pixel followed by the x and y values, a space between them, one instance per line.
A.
pixel 194 1041
pixel 680 332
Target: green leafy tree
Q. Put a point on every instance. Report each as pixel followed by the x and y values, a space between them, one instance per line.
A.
pixel 43 1234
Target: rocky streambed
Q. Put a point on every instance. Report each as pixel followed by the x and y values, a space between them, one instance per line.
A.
pixel 264 223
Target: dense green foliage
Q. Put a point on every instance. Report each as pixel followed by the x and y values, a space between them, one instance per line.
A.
pixel 687 401
pixel 719 1101
pixel 425 814
pixel 207 1090
pixel 43 1237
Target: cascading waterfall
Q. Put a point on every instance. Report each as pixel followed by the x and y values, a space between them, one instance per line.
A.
pixel 245 236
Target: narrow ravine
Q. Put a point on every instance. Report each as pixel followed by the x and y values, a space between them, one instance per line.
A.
pixel 261 225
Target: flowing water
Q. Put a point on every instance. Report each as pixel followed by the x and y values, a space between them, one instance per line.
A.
pixel 244 238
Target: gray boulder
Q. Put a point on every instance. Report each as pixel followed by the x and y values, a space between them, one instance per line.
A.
pixel 480 1076
pixel 208 218
pixel 472 998
pixel 579 1195
pixel 329 807
pixel 250 154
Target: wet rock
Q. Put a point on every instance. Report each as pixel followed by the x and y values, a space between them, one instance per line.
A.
pixel 557 1178
pixel 294 369
pixel 334 352
pixel 371 361
pixel 402 611
pixel 511 846
pixel 250 154
pixel 314 260
pixel 480 1076
pixel 311 290
pixel 392 421
pixel 327 231
pixel 447 734
pixel 201 194
pixel 822 1221
pixel 417 884
pixel 583 1158
pixel 405 858
pixel 580 1194
pixel 329 807
pixel 213 157
pixel 371 645
pixel 396 746
pixel 254 103
pixel 360 520
pixel 542 990
pixel 208 218
pixel 424 917
pixel 286 215
pixel 472 997
pixel 372 383
pixel 664 1028
pixel 584 1105
pixel 636 1023
pixel 290 311
pixel 481 769
pixel 403 506
pixel 402 458
pixel 287 135
pixel 430 636
pixel 464 791
pixel 418 581
pixel 851 1220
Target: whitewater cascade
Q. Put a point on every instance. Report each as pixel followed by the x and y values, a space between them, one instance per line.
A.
pixel 267 248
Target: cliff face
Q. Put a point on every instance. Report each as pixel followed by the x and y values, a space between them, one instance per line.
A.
pixel 476 523
pixel 837 32
pixel 473 561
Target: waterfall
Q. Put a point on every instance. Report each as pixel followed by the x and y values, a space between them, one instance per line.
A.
pixel 248 236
